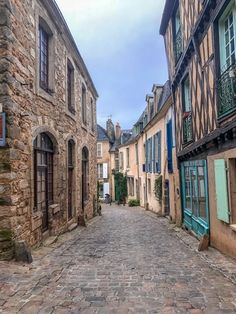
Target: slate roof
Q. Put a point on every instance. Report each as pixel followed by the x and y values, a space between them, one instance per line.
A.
pixel 166 93
pixel 102 134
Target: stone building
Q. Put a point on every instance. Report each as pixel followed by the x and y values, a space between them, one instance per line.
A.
pixel 200 41
pixel 48 172
pixel 108 141
pixel 148 159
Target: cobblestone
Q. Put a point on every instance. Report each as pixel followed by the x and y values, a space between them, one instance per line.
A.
pixel 125 262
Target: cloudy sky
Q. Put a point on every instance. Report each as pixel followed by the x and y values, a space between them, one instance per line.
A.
pixel 120 43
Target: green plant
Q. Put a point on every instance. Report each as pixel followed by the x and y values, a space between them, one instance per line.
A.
pixel 134 203
pixel 158 189
pixel 121 187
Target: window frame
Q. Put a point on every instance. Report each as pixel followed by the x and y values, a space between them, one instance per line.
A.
pixel 186 111
pixel 84 105
pixel 44 84
pixel 70 87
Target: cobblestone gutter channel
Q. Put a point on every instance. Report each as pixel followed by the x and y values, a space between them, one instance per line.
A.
pixel 216 260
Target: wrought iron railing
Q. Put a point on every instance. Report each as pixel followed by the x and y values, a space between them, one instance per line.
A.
pixel 188 128
pixel 178 45
pixel 227 91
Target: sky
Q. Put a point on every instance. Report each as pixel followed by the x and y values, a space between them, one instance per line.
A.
pixel 120 43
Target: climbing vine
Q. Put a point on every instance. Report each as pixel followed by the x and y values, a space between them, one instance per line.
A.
pixel 158 188
pixel 121 187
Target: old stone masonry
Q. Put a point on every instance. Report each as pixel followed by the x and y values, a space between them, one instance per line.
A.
pixel 126 261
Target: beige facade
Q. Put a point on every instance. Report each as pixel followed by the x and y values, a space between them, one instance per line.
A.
pixel 144 165
pixel 48 175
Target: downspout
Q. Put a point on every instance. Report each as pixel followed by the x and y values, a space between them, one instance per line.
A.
pixel 145 201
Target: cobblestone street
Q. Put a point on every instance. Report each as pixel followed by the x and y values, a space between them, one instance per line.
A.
pixel 124 262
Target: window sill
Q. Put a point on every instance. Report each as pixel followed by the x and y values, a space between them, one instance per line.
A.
pixel 233 227
pixel 42 93
pixel 71 115
pixel 84 127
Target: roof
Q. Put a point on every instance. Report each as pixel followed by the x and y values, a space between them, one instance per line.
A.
pixel 167 13
pixel 102 134
pixel 166 93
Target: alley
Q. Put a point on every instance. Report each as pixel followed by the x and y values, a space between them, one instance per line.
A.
pixel 125 262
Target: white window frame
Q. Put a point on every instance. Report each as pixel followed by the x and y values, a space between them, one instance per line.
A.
pixel 222 43
pixel 99 151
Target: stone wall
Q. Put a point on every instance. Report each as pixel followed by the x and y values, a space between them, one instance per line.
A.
pixel 30 111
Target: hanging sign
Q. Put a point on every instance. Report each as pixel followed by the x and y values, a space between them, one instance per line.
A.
pixel 2 129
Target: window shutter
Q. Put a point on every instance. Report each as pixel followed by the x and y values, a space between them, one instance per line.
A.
pixel 154 153
pixel 105 171
pixel 159 151
pixel 169 145
pixel 2 129
pixel 221 190
pixel 151 156
pixel 146 165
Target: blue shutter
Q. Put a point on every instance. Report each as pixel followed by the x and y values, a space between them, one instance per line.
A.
pixel 169 146
pixel 151 155
pixel 154 154
pixel 146 159
pixel 221 189
pixel 2 129
pixel 159 151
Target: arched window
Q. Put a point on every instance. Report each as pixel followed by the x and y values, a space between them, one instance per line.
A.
pixel 85 176
pixel 71 165
pixel 43 175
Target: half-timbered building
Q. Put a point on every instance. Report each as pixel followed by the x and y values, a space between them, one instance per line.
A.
pixel 200 40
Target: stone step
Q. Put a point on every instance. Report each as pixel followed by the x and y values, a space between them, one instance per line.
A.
pixel 72 227
pixel 49 241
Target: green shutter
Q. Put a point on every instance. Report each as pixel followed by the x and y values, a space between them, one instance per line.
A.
pixel 221 190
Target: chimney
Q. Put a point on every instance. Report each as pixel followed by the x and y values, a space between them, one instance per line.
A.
pixel 110 130
pixel 118 131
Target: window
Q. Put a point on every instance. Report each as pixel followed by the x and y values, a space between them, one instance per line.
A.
pixel 136 153
pixel 157 152
pixel 100 171
pixel 43 58
pixel 187 111
pixel 121 160
pixel 85 176
pixel 149 156
pixel 92 114
pixel 227 77
pixel 195 196
pixel 127 157
pixel 43 176
pixel 70 87
pixel 71 161
pixel 177 34
pixel 84 109
pixel 116 161
pixel 130 183
pixel 99 150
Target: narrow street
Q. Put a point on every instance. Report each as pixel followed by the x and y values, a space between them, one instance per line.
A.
pixel 124 262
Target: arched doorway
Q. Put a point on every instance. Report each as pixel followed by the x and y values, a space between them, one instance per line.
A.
pixel 43 176
pixel 71 161
pixel 85 176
